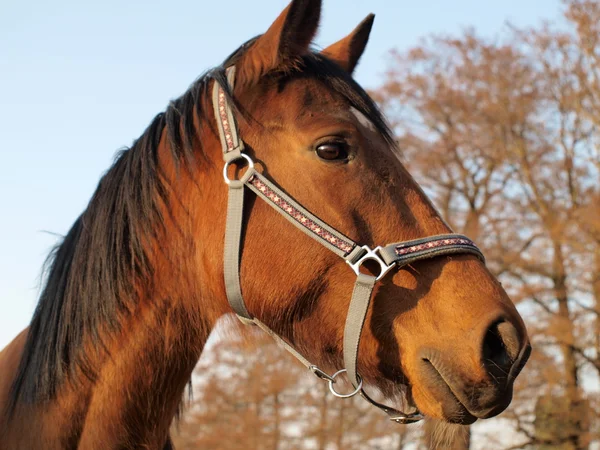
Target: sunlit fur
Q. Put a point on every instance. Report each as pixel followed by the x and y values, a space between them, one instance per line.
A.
pixel 136 286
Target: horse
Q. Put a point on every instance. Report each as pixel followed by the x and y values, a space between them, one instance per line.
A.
pixel 187 226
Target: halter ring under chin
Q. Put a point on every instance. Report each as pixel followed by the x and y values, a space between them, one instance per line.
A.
pixel 339 395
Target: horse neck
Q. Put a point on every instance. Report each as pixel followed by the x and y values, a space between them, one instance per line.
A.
pixel 142 376
pixel 141 385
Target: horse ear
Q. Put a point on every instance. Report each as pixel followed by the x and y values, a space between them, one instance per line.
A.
pixel 286 39
pixel 347 51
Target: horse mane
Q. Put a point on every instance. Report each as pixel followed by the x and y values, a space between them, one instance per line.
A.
pixel 90 277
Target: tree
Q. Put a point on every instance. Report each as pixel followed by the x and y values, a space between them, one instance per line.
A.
pixel 502 133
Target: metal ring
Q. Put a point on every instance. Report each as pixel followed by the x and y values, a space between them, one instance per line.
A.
pixel 337 394
pixel 248 171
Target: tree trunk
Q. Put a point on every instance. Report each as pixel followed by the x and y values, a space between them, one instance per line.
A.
pixel 321 427
pixel 401 438
pixel 339 434
pixel 567 339
pixel 472 227
pixel 277 420
pixel 596 293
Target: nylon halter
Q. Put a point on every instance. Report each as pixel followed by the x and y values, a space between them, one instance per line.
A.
pixel 390 256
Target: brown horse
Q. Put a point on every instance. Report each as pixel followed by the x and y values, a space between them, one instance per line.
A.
pixel 134 289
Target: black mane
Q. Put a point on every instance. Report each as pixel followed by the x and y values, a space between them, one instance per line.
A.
pixel 91 274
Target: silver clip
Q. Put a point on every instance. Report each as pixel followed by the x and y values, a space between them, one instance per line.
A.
pixel 371 255
pixel 320 374
pixel 405 419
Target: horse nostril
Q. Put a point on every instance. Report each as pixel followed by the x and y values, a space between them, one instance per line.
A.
pixel 501 347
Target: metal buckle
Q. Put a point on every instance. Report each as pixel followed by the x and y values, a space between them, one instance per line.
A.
pixel 371 255
pixel 393 414
pixel 406 419
pixel 247 174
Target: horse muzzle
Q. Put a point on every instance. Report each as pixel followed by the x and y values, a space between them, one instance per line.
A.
pixel 465 394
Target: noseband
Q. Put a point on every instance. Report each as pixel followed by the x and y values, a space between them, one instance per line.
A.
pixel 392 255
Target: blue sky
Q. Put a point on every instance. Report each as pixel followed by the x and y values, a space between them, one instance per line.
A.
pixel 79 80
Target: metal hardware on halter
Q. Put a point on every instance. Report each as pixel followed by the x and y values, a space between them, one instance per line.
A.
pixel 320 374
pixel 247 174
pixel 373 256
pixel 331 380
pixel 405 419
pixel 393 414
pixel 351 394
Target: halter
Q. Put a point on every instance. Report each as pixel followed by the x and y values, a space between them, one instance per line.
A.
pixel 393 255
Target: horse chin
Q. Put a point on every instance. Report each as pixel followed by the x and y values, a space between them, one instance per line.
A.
pixel 436 400
pixel 446 408
pixel 454 412
pixel 429 394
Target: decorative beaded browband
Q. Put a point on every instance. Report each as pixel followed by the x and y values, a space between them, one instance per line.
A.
pixel 388 257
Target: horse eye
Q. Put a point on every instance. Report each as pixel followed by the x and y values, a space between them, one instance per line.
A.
pixel 332 151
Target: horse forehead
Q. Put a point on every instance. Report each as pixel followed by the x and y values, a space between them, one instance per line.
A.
pixel 305 108
pixel 306 101
pixel 307 96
